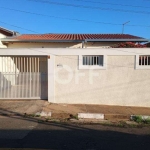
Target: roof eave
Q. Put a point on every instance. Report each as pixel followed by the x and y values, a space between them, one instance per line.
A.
pixel 38 41
pixel 6 40
pixel 7 32
pixel 117 40
pixel 10 31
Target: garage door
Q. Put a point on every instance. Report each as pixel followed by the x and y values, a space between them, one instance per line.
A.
pixel 23 77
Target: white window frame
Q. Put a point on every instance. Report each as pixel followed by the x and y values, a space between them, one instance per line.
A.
pixel 81 66
pixel 137 66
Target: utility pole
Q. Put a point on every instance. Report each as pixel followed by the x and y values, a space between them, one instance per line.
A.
pixel 124 25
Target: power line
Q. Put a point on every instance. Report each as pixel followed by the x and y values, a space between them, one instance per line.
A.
pixel 66 18
pixel 56 55
pixel 58 16
pixel 18 27
pixel 114 4
pixel 90 7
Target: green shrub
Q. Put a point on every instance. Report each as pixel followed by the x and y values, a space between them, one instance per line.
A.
pixel 147 121
pixel 138 119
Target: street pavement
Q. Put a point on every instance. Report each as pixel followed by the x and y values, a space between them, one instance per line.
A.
pixel 20 133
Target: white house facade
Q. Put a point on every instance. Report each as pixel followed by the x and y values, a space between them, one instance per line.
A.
pixel 79 71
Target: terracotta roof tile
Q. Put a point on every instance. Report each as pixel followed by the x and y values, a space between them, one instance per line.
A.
pixel 74 36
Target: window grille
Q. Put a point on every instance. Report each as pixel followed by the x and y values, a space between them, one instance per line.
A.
pixel 93 60
pixel 144 60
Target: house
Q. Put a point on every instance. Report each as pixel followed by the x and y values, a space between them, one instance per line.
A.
pixel 75 69
pixel 7 33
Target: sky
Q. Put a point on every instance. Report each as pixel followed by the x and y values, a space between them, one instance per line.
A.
pixel 76 16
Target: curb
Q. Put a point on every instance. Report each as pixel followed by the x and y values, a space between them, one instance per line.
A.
pixel 44 114
pixel 97 116
pixel 103 116
pixel 90 116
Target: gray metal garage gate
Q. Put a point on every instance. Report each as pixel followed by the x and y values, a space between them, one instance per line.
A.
pixel 23 77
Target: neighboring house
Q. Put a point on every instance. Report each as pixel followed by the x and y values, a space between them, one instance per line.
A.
pixel 5 33
pixel 75 69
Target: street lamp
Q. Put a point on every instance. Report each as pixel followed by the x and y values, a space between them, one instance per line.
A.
pixel 124 25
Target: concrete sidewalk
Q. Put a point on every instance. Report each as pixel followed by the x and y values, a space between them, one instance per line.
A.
pixel 74 109
pixel 16 107
pixel 110 112
pixel 20 107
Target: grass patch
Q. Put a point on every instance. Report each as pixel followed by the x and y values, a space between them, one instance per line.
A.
pixel 40 121
pixel 31 115
pixel 140 119
pixel 147 121
pixel 47 119
pixel 74 116
pixel 37 115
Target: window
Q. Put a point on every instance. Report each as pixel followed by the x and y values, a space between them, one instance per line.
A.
pixel 93 60
pixel 144 60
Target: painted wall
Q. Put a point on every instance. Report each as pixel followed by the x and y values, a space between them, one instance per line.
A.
pixel 119 84
pixel 45 45
pixel 1 44
pixel 61 45
pixel 2 35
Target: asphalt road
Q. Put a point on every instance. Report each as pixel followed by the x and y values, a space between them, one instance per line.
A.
pixel 18 133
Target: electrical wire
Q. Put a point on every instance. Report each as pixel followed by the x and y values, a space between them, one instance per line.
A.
pixel 114 4
pixel 72 19
pixel 90 7
pixel 18 27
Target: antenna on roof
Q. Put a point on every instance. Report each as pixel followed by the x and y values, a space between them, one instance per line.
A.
pixel 124 25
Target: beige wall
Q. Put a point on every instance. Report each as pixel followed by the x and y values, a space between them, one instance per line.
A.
pixel 44 45
pixel 61 45
pixel 1 44
pixel 99 44
pixel 119 84
pixel 2 35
